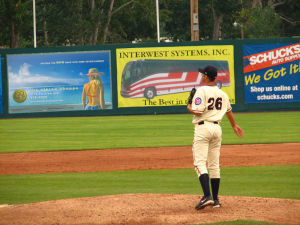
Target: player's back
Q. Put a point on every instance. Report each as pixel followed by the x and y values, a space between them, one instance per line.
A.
pixel 214 103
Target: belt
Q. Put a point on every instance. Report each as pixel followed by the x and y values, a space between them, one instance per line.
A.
pixel 202 122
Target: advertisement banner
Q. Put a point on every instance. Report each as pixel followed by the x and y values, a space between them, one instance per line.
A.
pixel 164 76
pixel 1 98
pixel 59 82
pixel 272 72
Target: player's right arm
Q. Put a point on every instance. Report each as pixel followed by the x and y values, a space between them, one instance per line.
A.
pixel 239 132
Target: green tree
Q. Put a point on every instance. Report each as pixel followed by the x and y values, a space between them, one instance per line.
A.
pixel 290 17
pixel 16 20
pixel 270 18
pixel 175 19
pixel 137 22
pixel 77 22
pixel 262 23
pixel 212 16
pixel 91 22
pixel 222 11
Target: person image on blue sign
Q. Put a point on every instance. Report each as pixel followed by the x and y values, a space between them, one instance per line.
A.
pixel 93 91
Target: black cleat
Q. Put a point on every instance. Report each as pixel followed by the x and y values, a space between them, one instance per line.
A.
pixel 205 201
pixel 217 204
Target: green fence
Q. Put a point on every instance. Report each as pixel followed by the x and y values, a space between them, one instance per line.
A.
pixel 281 76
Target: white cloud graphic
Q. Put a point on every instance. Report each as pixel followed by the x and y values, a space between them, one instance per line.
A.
pixel 25 79
pixel 24 69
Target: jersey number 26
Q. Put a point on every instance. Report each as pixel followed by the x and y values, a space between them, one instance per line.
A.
pixel 217 103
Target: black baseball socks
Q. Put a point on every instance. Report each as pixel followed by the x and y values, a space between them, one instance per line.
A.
pixel 215 183
pixel 204 181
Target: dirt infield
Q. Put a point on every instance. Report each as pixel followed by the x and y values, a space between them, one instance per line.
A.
pixel 150 209
pixel 147 209
pixel 144 159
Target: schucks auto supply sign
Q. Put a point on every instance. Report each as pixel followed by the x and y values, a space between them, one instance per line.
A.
pixel 272 72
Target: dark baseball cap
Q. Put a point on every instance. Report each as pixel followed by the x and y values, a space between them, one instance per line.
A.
pixel 210 71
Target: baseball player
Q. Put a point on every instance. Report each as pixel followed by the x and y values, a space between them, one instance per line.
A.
pixel 209 104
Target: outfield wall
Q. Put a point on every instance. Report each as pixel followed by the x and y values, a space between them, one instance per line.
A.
pixel 257 75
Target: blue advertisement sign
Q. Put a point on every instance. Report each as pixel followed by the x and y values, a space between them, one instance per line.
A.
pixel 59 82
pixel 1 98
pixel 272 73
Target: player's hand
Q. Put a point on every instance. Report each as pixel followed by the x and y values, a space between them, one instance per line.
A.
pixel 239 132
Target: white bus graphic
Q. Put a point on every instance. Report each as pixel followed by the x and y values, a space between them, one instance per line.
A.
pixel 150 78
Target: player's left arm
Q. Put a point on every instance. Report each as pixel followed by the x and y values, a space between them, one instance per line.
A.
pixel 191 107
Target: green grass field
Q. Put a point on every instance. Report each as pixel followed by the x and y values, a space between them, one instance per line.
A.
pixel 81 133
pixel 242 222
pixel 261 181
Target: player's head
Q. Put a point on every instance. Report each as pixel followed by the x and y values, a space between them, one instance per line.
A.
pixel 210 71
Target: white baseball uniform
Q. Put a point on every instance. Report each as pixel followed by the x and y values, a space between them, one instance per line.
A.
pixel 213 103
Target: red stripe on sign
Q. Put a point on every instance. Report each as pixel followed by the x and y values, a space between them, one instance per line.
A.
pixel 155 77
pixel 171 78
pixel 272 57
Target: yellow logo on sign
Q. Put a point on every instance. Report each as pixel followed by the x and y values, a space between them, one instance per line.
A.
pixel 19 96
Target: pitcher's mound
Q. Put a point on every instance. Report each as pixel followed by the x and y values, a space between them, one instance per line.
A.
pixel 151 209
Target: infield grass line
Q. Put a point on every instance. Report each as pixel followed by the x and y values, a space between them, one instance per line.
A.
pixel 106 132
pixel 260 181
pixel 241 222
